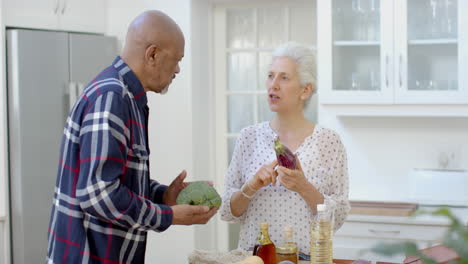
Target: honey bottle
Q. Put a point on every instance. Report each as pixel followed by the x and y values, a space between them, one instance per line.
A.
pixel 265 248
pixel 286 253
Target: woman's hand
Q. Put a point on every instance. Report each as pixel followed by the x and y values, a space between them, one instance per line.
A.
pixel 293 180
pixel 264 176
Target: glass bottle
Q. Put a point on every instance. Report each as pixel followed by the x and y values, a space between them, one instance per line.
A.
pixel 286 253
pixel 265 249
pixel 321 245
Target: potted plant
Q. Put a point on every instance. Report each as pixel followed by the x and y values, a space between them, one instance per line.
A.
pixel 455 239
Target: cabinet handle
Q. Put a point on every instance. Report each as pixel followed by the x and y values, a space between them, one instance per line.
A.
pixel 401 65
pixel 393 232
pixel 56 8
pixel 387 59
pixel 64 6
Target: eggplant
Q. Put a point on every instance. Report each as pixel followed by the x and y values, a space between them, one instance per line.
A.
pixel 285 156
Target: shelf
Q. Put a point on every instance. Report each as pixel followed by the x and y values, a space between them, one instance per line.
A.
pixel 398 110
pixel 432 41
pixel 356 43
pixel 353 43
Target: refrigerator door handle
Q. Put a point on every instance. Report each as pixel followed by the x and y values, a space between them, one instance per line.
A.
pixel 73 94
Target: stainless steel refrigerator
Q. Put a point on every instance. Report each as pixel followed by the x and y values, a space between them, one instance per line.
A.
pixel 46 72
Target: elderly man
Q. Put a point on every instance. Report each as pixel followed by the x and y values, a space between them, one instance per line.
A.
pixel 105 201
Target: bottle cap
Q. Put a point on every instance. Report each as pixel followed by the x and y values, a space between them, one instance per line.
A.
pixel 263 225
pixel 321 207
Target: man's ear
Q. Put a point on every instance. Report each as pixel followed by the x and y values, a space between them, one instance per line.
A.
pixel 308 91
pixel 150 54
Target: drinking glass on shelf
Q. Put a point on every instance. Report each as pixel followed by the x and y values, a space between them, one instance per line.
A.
pixel 338 23
pixel 355 82
pixel 450 18
pixel 452 85
pixel 374 78
pixel 373 21
pixel 417 85
pixel 435 18
pixel 359 32
pixel 422 85
pixel 432 85
pixel 417 14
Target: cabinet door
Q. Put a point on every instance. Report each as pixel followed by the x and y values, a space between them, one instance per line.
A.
pixel 355 51
pixel 354 239
pixel 431 51
pixel 31 13
pixel 357 247
pixel 83 15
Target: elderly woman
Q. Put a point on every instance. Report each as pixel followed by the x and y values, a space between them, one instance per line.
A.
pixel 257 190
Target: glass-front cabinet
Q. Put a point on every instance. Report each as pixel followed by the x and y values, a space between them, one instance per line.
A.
pixel 393 52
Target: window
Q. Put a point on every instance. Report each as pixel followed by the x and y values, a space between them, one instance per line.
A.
pixel 245 35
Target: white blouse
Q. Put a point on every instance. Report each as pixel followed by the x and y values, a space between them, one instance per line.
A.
pixel 323 160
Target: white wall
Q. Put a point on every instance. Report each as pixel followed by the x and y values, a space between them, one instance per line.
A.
pixel 171 140
pixel 203 111
pixel 173 124
pixel 383 150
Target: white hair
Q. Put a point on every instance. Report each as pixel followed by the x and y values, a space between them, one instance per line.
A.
pixel 304 58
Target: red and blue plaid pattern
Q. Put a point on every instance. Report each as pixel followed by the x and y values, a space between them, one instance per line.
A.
pixel 104 200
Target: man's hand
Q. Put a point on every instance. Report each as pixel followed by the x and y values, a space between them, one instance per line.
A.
pixel 170 195
pixel 185 214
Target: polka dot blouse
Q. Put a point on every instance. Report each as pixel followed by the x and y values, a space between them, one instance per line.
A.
pixel 323 160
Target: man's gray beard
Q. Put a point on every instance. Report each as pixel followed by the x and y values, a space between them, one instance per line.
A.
pixel 164 91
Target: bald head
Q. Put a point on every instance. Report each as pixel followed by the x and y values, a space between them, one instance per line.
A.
pixel 152 37
pixel 150 28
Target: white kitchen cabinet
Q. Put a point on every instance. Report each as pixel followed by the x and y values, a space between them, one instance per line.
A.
pixel 354 238
pixel 83 16
pixel 31 13
pixel 67 15
pixel 392 52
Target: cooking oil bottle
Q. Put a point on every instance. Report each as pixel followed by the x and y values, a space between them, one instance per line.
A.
pixel 321 245
pixel 264 248
pixel 286 253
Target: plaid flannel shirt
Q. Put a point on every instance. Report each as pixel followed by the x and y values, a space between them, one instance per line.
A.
pixel 105 201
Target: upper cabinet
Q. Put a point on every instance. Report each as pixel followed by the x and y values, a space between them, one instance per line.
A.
pixel 392 52
pixel 67 15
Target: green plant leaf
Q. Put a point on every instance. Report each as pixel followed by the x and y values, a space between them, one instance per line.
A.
pixel 444 211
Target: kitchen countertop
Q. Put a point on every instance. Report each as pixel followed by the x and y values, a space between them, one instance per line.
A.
pixel 461 213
